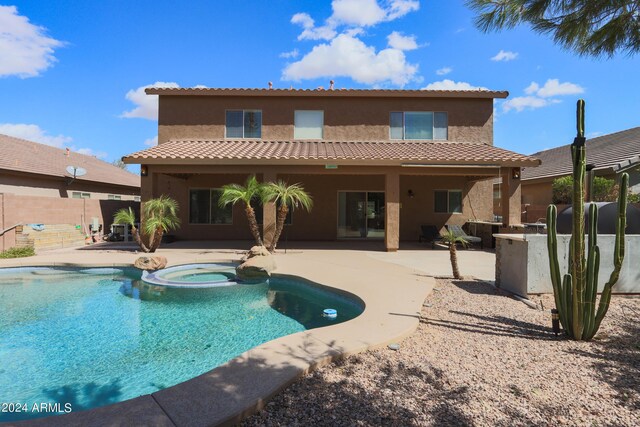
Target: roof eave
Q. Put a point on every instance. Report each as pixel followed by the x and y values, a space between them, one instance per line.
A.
pixel 378 93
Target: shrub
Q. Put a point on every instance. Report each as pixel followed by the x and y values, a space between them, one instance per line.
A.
pixel 17 253
pixel 604 190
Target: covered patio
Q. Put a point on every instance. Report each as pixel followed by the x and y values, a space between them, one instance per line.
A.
pixel 361 190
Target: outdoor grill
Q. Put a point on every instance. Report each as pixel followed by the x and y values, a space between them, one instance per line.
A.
pixel 607 213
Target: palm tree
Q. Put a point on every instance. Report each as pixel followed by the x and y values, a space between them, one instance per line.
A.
pixel 127 216
pixel 451 239
pixel 234 193
pixel 159 216
pixel 285 196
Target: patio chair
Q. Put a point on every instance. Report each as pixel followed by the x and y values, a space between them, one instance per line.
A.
pixel 430 234
pixel 459 232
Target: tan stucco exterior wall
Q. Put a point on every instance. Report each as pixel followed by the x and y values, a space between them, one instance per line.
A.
pixel 33 185
pixel 21 209
pixel 345 118
pixel 321 223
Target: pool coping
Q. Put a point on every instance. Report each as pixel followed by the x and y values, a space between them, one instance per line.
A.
pixel 392 298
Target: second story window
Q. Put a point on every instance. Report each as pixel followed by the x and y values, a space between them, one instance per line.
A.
pixel 308 124
pixel 244 124
pixel 418 125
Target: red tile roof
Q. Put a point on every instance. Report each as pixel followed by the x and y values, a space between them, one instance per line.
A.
pixel 307 152
pixel 30 157
pixel 477 93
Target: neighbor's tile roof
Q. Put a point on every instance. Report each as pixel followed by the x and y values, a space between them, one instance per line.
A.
pixel 30 157
pixel 474 93
pixel 616 151
pixel 435 152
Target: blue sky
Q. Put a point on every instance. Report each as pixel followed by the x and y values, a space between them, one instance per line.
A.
pixel 72 72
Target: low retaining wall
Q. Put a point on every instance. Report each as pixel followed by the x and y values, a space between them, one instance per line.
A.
pixel 522 263
pixel 50 210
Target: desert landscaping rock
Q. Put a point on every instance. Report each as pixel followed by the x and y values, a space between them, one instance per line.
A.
pixel 257 264
pixel 150 263
pixel 478 358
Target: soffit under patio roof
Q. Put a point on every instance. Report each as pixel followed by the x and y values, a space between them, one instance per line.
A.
pixel 319 152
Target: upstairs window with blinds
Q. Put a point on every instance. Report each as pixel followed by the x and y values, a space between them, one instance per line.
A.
pixel 308 124
pixel 244 124
pixel 418 125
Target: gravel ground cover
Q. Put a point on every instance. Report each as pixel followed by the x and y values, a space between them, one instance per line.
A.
pixel 478 358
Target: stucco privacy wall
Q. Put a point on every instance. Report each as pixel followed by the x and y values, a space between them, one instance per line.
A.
pixel 49 210
pixel 345 118
pixel 34 185
pixel 522 263
pixel 321 223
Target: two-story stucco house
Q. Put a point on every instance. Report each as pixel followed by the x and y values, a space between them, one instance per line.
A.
pixel 378 163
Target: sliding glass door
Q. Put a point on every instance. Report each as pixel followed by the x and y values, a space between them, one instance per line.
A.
pixel 360 215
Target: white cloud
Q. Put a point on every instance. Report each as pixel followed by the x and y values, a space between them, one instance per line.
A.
pixel 400 42
pixel 532 88
pixel 359 13
pixel 146 105
pixel 521 103
pixel 447 84
pixel 541 96
pixel 444 71
pixel 34 133
pixel 399 8
pixel 349 56
pixel 90 152
pixel 505 55
pixel 310 31
pixel 353 13
pixel 553 87
pixel 150 142
pixel 25 49
pixel 291 54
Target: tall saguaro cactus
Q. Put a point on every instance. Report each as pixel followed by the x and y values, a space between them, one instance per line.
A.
pixel 575 295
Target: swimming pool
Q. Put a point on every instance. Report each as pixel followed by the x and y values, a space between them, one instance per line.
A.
pixel 92 337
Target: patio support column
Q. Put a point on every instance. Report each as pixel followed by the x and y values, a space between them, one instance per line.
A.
pixel 268 213
pixel 392 211
pixel 511 197
pixel 147 184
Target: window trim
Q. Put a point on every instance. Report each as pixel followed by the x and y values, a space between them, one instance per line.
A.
pixel 206 223
pixel 321 127
pixel 433 129
pixel 448 190
pixel 82 194
pixel 243 112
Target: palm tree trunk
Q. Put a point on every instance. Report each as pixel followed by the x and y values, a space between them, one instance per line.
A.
pixel 155 240
pixel 453 255
pixel 283 210
pixel 138 239
pixel 253 224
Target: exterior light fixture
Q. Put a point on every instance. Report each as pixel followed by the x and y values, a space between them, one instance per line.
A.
pixel 410 193
pixel 515 173
pixel 555 321
pixel 144 170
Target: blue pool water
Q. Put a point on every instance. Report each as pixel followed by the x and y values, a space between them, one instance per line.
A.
pixel 98 336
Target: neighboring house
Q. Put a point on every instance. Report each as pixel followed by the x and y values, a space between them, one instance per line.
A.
pixel 378 163
pixel 609 154
pixel 36 188
pixel 31 169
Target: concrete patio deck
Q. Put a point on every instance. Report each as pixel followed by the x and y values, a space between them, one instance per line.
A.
pixel 393 287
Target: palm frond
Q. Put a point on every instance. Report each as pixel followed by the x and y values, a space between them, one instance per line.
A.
pixel 293 195
pixel 450 238
pixel 125 216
